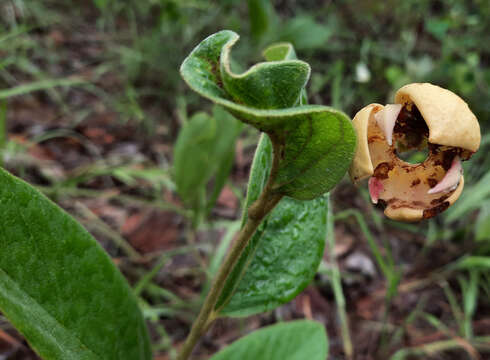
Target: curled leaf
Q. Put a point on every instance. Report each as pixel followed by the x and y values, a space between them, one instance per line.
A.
pixel 315 143
pixel 451 180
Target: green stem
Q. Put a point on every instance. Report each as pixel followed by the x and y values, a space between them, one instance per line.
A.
pixel 267 200
pixel 206 316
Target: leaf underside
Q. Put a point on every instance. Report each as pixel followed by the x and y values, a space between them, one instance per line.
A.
pixel 57 285
pixel 316 142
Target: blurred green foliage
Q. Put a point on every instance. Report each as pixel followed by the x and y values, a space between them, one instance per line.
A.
pixel 360 51
pixel 204 149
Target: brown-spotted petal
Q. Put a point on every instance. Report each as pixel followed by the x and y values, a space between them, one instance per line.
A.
pixel 424 116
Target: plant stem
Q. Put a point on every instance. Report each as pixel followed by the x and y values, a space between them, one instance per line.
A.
pixel 257 212
pixel 267 200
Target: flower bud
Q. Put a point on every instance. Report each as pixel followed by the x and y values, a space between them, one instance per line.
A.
pixel 423 116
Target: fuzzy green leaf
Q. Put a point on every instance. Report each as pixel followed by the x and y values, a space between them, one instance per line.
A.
pixel 283 254
pixel 316 143
pixel 270 271
pixel 261 14
pixel 296 340
pixel 57 285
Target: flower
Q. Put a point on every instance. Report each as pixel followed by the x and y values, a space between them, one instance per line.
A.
pixel 423 116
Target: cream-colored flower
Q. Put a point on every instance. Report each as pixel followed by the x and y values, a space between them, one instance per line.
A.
pixel 424 115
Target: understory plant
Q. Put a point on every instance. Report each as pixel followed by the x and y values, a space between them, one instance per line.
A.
pixel 305 150
pixel 61 290
pixel 303 153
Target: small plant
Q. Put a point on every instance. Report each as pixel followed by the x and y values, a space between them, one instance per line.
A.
pixel 305 152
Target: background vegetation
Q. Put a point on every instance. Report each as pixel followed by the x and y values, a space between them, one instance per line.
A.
pixel 91 104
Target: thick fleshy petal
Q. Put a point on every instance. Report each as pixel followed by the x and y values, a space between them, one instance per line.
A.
pixel 375 188
pixel 451 180
pixel 386 120
pixel 424 116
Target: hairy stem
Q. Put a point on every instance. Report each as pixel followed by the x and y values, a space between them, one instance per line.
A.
pixel 256 213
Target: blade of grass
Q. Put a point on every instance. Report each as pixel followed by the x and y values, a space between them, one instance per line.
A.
pixel 97 224
pixel 455 308
pixel 481 343
pixel 39 85
pixel 146 279
pixel 160 293
pixel 471 262
pixel 469 289
pixel 63 191
pixel 397 336
pixel 471 201
pixel 439 325
pixel 387 268
pixel 16 31
pixel 231 229
pixel 337 286
pixel 3 128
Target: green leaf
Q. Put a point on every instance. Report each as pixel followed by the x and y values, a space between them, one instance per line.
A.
pixel 296 340
pixel 267 85
pixel 39 85
pixel 482 226
pixel 230 128
pixel 57 285
pixel 270 273
pixel 204 149
pixel 260 13
pixel 472 262
pixel 305 33
pixel 279 52
pixel 284 51
pixel 193 163
pixel 283 254
pixel 471 200
pixel 316 143
pixel 438 27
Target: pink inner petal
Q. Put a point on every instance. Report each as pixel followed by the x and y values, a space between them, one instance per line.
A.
pixel 375 188
pixel 451 180
pixel 386 120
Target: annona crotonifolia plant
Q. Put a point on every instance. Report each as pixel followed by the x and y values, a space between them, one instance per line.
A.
pixel 305 150
pixel 423 116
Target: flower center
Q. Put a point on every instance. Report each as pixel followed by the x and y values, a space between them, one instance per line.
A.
pixel 410 135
